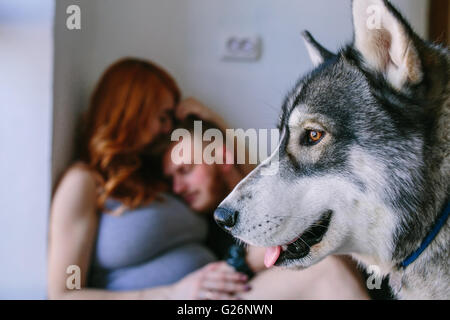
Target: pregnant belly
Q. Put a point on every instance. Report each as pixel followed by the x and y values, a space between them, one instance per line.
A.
pixel 164 269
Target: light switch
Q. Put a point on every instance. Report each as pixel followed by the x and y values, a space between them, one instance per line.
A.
pixel 244 48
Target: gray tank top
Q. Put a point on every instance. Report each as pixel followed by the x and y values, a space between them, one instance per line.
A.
pixel 149 246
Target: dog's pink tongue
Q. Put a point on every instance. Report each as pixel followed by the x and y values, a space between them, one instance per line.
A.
pixel 271 256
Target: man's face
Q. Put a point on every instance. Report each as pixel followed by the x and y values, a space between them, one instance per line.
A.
pixel 202 186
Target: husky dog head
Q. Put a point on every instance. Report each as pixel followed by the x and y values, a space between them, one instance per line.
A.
pixel 355 133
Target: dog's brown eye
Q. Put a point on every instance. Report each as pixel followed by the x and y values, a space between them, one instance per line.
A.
pixel 313 137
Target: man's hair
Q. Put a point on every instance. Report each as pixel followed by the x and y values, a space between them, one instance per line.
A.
pixel 188 124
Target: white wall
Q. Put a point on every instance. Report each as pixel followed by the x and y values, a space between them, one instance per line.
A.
pixel 26 62
pixel 185 38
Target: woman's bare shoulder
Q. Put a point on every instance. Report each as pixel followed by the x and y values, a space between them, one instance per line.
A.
pixel 79 175
pixel 77 188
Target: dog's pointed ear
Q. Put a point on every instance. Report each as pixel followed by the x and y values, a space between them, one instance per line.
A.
pixel 386 42
pixel 317 53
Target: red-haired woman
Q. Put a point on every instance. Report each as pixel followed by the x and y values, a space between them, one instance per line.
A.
pixel 113 229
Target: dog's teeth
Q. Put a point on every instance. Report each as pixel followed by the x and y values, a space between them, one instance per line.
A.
pixel 284 248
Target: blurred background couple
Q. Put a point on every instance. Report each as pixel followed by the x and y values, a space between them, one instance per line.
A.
pixel 140 226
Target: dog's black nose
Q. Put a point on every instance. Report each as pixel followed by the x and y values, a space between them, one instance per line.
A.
pixel 225 218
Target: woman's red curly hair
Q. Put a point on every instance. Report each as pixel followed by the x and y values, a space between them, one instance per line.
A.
pixel 115 133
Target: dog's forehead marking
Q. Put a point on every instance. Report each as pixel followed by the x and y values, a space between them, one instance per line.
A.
pixel 296 116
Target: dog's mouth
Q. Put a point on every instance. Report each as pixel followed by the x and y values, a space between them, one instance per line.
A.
pixel 300 247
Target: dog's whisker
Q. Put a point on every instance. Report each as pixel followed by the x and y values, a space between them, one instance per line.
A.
pixel 272 107
pixel 305 242
pixel 308 231
pixel 299 218
pixel 318 225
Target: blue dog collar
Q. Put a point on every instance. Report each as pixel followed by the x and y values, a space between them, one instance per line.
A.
pixel 430 237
